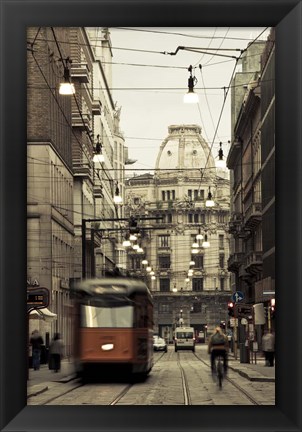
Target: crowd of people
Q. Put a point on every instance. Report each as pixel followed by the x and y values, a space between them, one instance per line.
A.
pixel 55 354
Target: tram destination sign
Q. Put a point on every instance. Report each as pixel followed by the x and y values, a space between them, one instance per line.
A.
pixel 37 298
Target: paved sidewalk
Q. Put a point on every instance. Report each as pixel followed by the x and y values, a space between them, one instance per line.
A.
pixel 252 371
pixel 40 380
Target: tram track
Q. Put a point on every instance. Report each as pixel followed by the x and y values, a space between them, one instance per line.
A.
pixel 187 398
pixel 114 401
pixel 62 394
pixel 185 386
pixel 128 387
pixel 231 381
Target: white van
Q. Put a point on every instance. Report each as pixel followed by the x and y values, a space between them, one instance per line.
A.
pixel 184 338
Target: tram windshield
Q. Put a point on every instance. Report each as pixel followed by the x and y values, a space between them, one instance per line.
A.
pixel 93 316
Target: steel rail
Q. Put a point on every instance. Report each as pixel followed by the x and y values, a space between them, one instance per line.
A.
pixel 233 383
pixel 185 386
pixel 128 387
pixel 62 394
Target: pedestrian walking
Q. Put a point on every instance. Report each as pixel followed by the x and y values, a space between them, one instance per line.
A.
pixel 268 347
pixel 56 353
pixel 36 342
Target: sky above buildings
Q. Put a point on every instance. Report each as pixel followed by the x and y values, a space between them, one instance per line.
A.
pixel 149 85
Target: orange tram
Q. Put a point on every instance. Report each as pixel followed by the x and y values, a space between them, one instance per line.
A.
pixel 113 327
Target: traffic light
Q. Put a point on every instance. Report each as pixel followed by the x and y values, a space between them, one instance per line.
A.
pixel 231 309
pixel 133 228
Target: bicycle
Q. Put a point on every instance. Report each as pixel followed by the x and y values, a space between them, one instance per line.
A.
pixel 219 370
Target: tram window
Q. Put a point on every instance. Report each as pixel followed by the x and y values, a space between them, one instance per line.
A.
pixel 141 315
pixel 150 316
pixel 96 317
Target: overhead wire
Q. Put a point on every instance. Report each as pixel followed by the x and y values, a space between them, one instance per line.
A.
pixel 223 39
pixel 215 131
pixel 166 88
pixel 141 50
pixel 244 164
pixel 225 97
pixel 207 102
pixel 211 40
pixel 67 121
pixel 217 126
pixel 152 65
pixel 35 38
pixel 177 33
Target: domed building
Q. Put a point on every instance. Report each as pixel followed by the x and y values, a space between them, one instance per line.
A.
pixel 183 235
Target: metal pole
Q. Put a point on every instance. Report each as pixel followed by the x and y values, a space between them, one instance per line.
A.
pixel 269 318
pixel 92 262
pixel 235 332
pixel 83 248
pixel 27 340
pixel 104 261
pixel 255 338
pixel 215 302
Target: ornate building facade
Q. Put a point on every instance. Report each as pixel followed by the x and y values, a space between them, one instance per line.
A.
pixel 188 277
pixel 251 161
pixel 65 184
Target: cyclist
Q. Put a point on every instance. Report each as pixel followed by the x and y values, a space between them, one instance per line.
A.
pixel 218 346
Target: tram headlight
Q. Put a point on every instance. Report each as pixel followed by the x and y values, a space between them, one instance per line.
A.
pixel 107 347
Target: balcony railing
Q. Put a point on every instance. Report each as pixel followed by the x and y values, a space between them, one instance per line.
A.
pixel 236 218
pixel 80 72
pixel 235 260
pixel 235 223
pixel 163 249
pixel 243 275
pixel 253 215
pixel 81 122
pixel 98 191
pixel 82 169
pixel 96 107
pixel 253 262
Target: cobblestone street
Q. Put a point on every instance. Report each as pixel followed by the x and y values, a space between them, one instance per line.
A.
pixel 163 386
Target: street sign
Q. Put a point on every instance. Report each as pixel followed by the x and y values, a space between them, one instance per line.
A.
pixel 244 310
pixel 37 298
pixel 237 296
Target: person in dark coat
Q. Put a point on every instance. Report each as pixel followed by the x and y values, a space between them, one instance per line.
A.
pixel 56 353
pixel 36 342
pixel 268 347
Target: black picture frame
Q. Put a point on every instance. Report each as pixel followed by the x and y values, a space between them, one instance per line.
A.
pixel 16 16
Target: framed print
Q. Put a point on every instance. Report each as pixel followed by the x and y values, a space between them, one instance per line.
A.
pixel 285 16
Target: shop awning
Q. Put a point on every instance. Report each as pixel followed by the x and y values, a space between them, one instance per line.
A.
pixel 43 313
